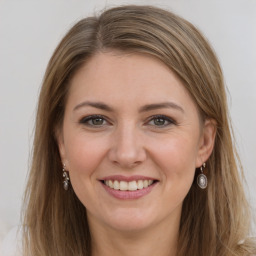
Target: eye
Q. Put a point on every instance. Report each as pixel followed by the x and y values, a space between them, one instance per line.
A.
pixel 94 120
pixel 160 121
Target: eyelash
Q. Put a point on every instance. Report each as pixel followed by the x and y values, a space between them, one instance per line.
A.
pixel 164 118
pixel 87 119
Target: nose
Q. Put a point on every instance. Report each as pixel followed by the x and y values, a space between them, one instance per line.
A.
pixel 127 147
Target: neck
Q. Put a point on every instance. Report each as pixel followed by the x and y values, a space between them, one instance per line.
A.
pixel 159 240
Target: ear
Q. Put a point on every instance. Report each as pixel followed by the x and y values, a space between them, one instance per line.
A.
pixel 207 141
pixel 60 141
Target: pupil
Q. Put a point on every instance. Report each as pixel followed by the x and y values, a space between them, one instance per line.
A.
pixel 159 121
pixel 97 121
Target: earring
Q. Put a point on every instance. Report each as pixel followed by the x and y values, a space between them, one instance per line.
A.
pixel 201 178
pixel 66 178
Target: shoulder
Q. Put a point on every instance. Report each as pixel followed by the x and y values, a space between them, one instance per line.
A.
pixel 11 245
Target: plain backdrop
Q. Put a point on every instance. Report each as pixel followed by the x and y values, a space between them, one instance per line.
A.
pixel 29 33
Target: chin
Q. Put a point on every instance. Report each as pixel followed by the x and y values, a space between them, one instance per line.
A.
pixel 130 221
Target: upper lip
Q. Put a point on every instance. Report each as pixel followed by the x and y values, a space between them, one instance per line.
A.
pixel 127 178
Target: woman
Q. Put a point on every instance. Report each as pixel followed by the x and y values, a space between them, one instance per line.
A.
pixel 133 151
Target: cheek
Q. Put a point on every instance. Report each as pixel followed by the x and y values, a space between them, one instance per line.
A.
pixel 177 167
pixel 84 154
pixel 177 160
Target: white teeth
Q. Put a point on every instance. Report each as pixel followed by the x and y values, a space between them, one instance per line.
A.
pixel 110 184
pixel 145 183
pixel 123 185
pixel 140 184
pixel 130 186
pixel 116 185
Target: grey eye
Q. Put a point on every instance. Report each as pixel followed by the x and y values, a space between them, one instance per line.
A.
pixel 97 121
pixel 93 120
pixel 160 121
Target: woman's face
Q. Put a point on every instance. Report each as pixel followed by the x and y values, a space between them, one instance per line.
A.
pixel 131 140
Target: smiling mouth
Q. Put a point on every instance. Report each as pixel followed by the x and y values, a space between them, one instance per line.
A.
pixel 128 186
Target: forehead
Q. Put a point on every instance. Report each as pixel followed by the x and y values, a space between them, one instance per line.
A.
pixel 127 79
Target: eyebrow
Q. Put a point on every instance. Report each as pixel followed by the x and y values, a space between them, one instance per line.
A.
pixel 146 108
pixel 99 105
pixel 150 107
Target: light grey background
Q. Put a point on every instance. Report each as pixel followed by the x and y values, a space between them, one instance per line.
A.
pixel 29 32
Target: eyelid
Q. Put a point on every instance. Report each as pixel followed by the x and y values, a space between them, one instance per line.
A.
pixel 84 120
pixel 166 118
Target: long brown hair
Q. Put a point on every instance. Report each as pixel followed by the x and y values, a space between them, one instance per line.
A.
pixel 213 221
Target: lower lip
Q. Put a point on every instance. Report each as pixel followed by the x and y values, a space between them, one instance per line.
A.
pixel 129 194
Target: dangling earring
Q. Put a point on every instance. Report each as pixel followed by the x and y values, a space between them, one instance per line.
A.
pixel 201 178
pixel 66 178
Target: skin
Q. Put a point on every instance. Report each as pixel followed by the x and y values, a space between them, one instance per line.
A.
pixel 128 141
